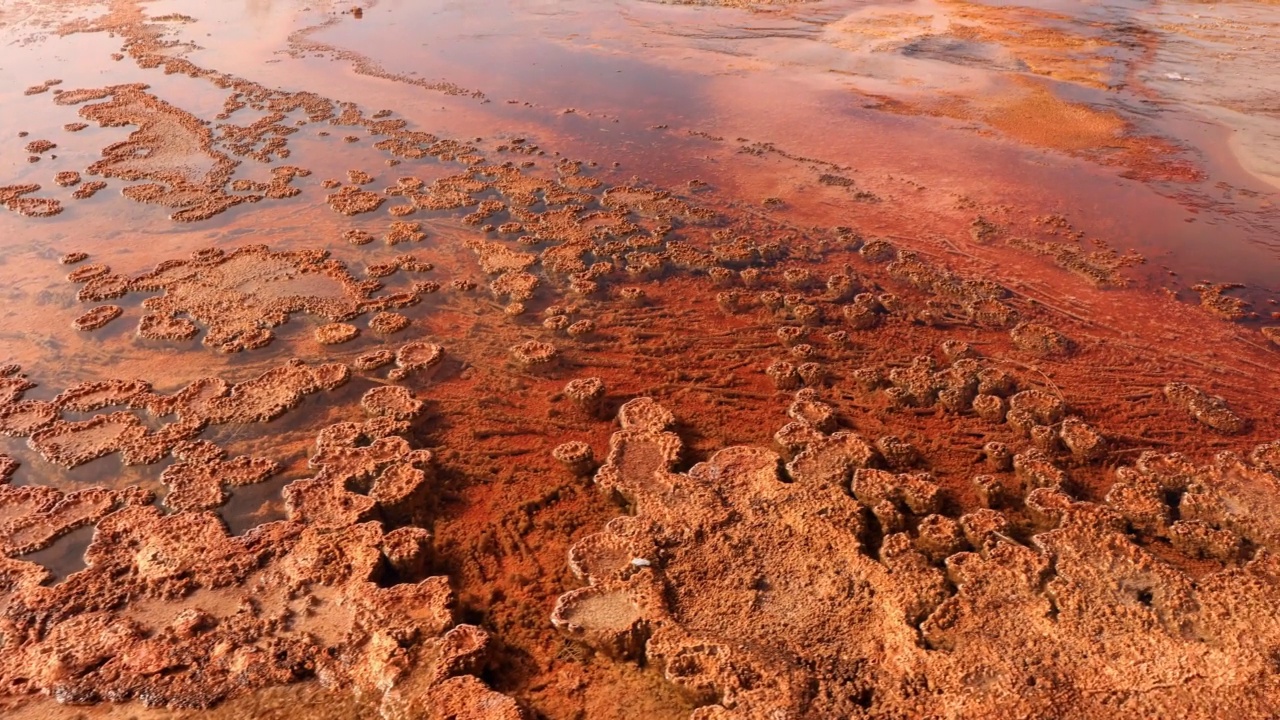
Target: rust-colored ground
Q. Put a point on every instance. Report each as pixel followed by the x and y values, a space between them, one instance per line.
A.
pixel 869 369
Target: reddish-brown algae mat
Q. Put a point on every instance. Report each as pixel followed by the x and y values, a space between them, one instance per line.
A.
pixel 710 360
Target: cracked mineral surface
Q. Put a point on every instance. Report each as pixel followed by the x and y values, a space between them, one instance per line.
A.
pixel 700 360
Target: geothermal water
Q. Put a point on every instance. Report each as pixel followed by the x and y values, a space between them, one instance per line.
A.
pixel 706 360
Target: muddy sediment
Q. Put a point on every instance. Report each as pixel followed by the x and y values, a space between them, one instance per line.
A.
pixel 611 446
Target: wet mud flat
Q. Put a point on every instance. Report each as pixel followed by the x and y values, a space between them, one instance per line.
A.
pixel 338 388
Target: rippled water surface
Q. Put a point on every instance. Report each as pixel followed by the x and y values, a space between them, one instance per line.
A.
pixel 1114 166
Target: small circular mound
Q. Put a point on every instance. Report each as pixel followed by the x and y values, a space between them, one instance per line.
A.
pixel 373 360
pixel 336 333
pixel 644 413
pixel 813 374
pixel 797 277
pixel 878 251
pixel 803 351
pixel 387 323
pixel 393 401
pixel 534 353
pixel 85 273
pixel 72 258
pixel 419 355
pixel 732 301
pixel 991 408
pixel 67 178
pixel 581 328
pixel 631 295
pixel 97 317
pixel 587 394
pixel 790 334
pixel 784 375
pixel 166 327
pixel 576 456
pixel 331 376
pixel 806 314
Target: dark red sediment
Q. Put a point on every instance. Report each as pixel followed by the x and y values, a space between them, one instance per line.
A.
pixel 713 360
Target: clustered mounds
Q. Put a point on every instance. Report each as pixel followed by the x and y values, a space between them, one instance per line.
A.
pixel 166 327
pixel 389 626
pixel 1213 298
pixel 815 531
pixel 14 197
pixel 356 236
pixel 1040 339
pixel 34 516
pixel 23 418
pixel 1100 267
pixel 993 395
pixel 95 395
pixel 208 401
pixel 1208 410
pixel 170 154
pixel 1218 511
pixel 351 200
pixel 278 187
pixel 496 258
pixel 196 480
pixel 239 295
pixel 97 317
pixel 515 286
pixel 75 443
pixel 42 87
pixel 36 147
pixel 400 231
pixel 830 552
pixel 88 189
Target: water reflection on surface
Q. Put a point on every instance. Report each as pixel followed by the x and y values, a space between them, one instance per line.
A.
pixel 1119 128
